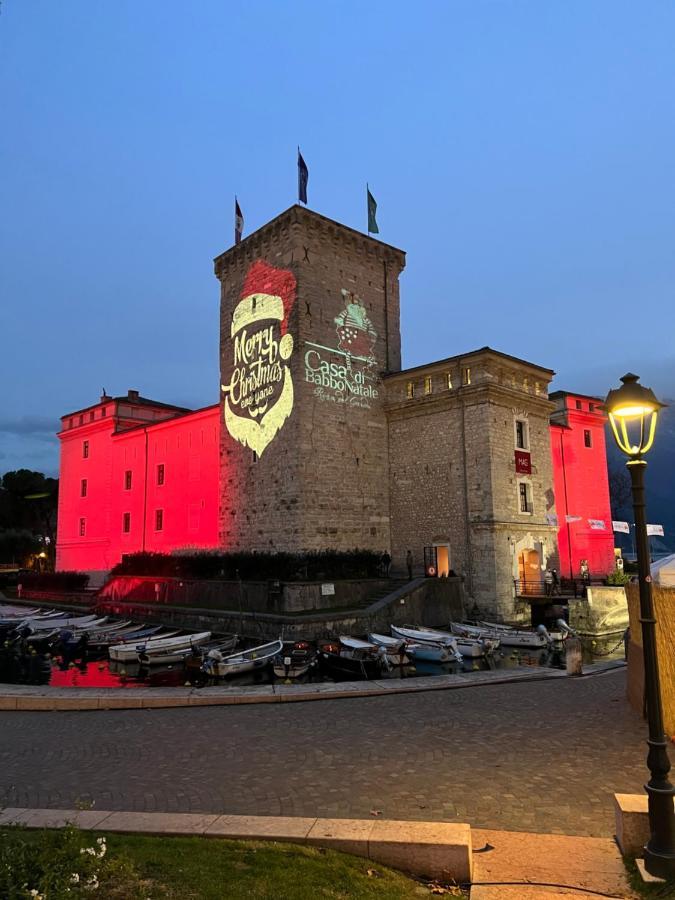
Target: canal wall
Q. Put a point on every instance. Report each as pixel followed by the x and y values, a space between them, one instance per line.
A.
pixel 423 601
pixel 281 597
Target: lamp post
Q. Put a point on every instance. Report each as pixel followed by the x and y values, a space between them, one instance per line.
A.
pixel 633 411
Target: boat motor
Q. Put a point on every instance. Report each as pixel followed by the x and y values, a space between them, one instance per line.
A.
pixel 541 629
pixel 565 628
pixel 452 645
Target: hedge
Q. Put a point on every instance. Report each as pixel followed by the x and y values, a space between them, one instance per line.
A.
pixel 312 566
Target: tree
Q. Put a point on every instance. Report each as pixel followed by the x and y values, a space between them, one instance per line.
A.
pixel 28 506
pixel 620 490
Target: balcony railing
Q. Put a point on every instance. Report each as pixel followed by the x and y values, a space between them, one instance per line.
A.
pixel 566 587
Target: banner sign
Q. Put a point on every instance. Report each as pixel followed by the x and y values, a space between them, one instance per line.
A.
pixel 523 462
pixel 569 519
pixel 655 529
pixel 624 527
pixel 596 524
pixel 551 519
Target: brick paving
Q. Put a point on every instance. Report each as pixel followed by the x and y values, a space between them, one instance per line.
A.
pixel 544 756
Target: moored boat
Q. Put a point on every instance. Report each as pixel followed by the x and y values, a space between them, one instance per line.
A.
pixel 218 666
pixel 295 661
pixel 472 648
pixel 129 651
pixel 508 637
pixel 350 657
pixel 152 656
pixel 396 649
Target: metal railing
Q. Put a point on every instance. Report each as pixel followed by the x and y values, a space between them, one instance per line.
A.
pixel 566 587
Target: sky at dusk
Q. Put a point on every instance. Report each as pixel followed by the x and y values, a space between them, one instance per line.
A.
pixel 522 153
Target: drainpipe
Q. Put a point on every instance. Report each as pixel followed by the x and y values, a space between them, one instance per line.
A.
pixel 469 554
pixel 145 485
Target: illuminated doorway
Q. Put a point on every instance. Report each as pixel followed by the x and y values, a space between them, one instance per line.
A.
pixel 442 559
pixel 529 572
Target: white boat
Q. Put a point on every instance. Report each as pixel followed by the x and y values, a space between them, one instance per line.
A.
pixel 129 650
pixel 395 648
pixel 153 656
pixel 421 652
pixel 508 637
pixel 217 665
pixel 473 648
pixel 72 622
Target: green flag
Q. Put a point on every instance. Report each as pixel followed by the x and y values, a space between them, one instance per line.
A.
pixel 372 209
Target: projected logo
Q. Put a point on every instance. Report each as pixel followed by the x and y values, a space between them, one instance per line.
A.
pixel 259 395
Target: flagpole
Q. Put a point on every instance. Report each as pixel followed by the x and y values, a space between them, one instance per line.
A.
pixel 367 215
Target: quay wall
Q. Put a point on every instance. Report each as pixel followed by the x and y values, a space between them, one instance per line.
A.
pixel 425 601
pixel 249 596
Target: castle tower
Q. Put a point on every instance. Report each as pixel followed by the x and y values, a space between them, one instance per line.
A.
pixel 309 324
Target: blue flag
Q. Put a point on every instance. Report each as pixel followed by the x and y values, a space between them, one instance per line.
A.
pixel 303 178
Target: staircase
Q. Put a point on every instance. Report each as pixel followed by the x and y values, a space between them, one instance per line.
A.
pixel 393 585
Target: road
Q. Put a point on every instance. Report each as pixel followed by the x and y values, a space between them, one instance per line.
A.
pixel 544 756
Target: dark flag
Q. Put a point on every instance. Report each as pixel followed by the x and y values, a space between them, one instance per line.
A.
pixel 372 209
pixel 238 222
pixel 303 178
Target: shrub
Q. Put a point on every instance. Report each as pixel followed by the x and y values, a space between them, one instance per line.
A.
pixel 618 579
pixel 312 566
pixel 55 581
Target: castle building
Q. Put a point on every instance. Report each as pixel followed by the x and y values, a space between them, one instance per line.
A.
pixel 320 440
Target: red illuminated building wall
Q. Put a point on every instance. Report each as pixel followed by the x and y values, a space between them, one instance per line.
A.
pixel 136 475
pixel 581 485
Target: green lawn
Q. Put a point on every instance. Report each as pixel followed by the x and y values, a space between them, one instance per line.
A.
pixel 140 867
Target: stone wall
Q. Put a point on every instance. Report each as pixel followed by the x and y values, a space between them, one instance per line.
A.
pixel 453 473
pixel 249 596
pixel 319 476
pixel 429 601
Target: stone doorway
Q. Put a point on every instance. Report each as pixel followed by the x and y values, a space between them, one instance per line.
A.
pixel 529 572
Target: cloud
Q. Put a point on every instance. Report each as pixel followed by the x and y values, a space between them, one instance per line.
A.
pixel 40 428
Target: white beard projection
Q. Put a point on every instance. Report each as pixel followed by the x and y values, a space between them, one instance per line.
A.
pixel 259 396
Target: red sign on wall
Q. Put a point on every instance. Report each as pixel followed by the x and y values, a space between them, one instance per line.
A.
pixel 523 462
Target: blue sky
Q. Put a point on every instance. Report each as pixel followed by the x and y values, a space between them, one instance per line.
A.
pixel 522 153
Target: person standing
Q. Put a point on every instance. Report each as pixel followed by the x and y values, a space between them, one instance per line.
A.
pixel 548 582
pixel 555 588
pixel 386 564
pixel 409 564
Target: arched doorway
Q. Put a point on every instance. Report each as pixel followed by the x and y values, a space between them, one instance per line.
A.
pixel 529 571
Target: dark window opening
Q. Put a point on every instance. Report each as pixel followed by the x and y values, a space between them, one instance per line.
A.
pixel 588 440
pixel 159 519
pixel 126 523
pixel 127 480
pixel 83 488
pixel 83 527
pixel 85 449
pixel 160 474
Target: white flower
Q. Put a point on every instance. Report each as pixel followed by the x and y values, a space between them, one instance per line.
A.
pixel 100 840
pixel 74 878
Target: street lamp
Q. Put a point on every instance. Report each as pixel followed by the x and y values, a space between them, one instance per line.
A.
pixel 633 410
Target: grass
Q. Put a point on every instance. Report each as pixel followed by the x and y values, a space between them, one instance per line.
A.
pixel 169 868
pixel 654 891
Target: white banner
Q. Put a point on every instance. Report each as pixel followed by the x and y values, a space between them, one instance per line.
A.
pixel 596 524
pixel 573 518
pixel 655 529
pixel 551 519
pixel 621 526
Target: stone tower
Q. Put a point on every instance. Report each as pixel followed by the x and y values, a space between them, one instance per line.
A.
pixel 309 324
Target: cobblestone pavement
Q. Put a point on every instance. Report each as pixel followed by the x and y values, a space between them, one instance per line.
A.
pixel 545 756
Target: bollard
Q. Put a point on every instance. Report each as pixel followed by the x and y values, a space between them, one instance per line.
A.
pixel 573 656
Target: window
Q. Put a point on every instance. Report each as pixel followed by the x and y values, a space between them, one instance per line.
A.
pixel 591 407
pixel 83 488
pixel 427 384
pixel 466 375
pixel 70 423
pixel 103 412
pixel 578 404
pixel 85 449
pixel 524 497
pixel 126 523
pixel 448 378
pixel 522 442
pixel 588 441
pixel 255 457
pixel 160 474
pixel 127 480
pixel 410 390
pixel 91 416
pixel 83 527
pixel 81 420
pixel 159 519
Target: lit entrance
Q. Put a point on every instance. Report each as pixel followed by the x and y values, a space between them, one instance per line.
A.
pixel 442 559
pixel 529 572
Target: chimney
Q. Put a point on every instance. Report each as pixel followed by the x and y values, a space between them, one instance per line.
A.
pixel 132 395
